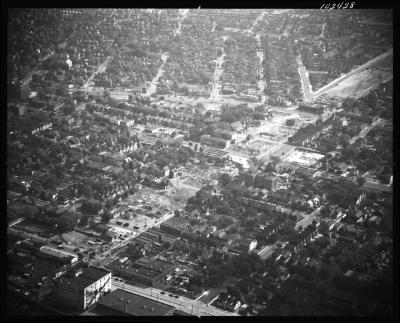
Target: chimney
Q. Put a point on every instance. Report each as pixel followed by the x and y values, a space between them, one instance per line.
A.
pixel 126 306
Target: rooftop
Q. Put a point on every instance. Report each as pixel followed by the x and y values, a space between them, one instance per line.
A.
pixel 135 305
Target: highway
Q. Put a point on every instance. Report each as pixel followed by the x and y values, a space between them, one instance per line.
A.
pixel 182 303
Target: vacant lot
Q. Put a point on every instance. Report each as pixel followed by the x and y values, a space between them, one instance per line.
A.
pixel 74 236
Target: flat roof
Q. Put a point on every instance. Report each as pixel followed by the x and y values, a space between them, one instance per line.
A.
pixel 135 304
pixel 304 158
pixel 86 278
pixel 58 253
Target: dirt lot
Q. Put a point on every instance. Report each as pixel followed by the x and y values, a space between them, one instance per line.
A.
pixel 73 236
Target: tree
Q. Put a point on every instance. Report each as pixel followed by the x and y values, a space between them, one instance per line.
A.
pixel 106 216
pixel 67 222
pixel 87 191
pixel 62 91
pixel 123 140
pixel 273 238
pixel 323 227
pixel 348 103
pixel 85 219
pixel 91 206
pixel 225 179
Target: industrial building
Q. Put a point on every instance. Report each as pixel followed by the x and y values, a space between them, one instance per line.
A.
pixel 174 226
pixel 60 255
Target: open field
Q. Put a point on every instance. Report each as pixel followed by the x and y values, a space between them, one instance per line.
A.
pixel 74 237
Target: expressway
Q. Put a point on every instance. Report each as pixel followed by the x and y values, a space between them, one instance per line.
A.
pixel 182 303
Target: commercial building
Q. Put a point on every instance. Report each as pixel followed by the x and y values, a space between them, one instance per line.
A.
pixel 146 271
pixel 301 157
pixel 174 226
pixel 311 108
pixel 121 302
pixel 82 288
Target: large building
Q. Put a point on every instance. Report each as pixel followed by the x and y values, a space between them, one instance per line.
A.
pixel 82 288
pixel 151 272
pixel 259 180
pixel 60 255
pixel 302 157
pixel 121 302
pixel 174 226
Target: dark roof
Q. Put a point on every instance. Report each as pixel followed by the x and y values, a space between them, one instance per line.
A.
pixel 94 274
pixel 136 305
pixel 86 278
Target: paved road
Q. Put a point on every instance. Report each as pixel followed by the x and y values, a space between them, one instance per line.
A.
pixel 217 73
pixel 308 219
pixel 153 85
pixel 182 303
pixel 100 69
pixel 305 82
pixel 108 255
pixel 365 131
pixel 184 13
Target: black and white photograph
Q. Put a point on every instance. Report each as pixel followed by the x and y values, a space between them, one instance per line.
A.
pixel 200 161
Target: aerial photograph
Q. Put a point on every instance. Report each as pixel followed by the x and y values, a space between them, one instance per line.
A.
pixel 199 162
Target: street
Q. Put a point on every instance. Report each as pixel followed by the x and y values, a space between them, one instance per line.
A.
pixel 308 219
pixel 153 85
pixel 365 131
pixel 100 69
pixel 305 82
pixel 182 303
